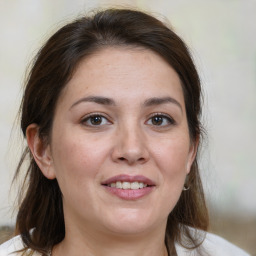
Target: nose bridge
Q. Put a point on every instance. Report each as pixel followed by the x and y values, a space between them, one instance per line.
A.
pixel 130 145
pixel 132 137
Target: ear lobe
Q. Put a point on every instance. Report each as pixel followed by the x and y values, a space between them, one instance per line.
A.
pixel 192 154
pixel 40 151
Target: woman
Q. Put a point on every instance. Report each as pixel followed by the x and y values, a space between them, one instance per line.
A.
pixel 111 115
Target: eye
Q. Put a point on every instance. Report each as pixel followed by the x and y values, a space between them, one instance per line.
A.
pixel 160 120
pixel 95 120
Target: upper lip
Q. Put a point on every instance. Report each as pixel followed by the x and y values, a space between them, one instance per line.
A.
pixel 129 178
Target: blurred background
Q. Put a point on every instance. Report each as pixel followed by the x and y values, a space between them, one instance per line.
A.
pixel 222 38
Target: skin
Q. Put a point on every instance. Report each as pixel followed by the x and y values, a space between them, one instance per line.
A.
pixel 81 155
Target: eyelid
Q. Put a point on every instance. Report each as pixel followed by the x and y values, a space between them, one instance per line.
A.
pixel 167 116
pixel 92 114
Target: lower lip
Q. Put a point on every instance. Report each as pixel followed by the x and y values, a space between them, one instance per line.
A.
pixel 130 194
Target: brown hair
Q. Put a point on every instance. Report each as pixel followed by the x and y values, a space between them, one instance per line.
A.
pixel 40 206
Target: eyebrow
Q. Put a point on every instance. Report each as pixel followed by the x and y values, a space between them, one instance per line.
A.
pixel 110 102
pixel 95 99
pixel 159 101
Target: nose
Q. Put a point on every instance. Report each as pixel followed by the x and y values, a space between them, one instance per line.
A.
pixel 130 146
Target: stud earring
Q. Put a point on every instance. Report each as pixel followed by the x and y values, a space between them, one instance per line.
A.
pixel 186 186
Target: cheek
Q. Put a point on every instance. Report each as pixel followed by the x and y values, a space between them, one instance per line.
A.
pixel 172 159
pixel 77 164
pixel 77 160
pixel 172 162
pixel 172 156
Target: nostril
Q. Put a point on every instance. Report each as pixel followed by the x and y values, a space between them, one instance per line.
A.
pixel 141 159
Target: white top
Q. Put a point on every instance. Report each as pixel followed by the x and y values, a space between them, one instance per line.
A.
pixel 213 245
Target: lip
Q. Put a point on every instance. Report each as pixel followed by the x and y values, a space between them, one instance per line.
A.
pixel 129 194
pixel 129 178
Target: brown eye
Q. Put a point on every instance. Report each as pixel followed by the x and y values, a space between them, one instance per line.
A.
pixel 161 120
pixel 95 120
pixel 157 120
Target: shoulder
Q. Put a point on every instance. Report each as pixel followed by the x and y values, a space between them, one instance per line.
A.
pixel 217 245
pixel 213 245
pixel 11 247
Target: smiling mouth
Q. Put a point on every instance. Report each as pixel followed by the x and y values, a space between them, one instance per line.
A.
pixel 128 182
pixel 127 185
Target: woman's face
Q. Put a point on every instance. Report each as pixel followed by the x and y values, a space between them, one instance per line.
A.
pixel 120 146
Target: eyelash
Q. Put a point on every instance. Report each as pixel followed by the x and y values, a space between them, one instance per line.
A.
pixel 169 119
pixel 164 117
pixel 89 118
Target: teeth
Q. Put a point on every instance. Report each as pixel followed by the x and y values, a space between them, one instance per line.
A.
pixel 113 185
pixel 135 185
pixel 119 184
pixel 128 185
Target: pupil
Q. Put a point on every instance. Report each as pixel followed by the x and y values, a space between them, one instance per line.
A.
pixel 157 120
pixel 96 120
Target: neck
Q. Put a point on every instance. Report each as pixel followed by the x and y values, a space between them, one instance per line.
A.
pixel 79 242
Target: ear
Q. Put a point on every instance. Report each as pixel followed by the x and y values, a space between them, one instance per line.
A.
pixel 192 153
pixel 40 151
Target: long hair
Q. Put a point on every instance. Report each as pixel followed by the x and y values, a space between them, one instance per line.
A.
pixel 40 207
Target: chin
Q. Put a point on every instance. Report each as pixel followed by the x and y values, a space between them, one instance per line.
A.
pixel 125 229
pixel 130 221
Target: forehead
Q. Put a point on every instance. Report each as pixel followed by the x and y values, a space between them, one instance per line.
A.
pixel 124 73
